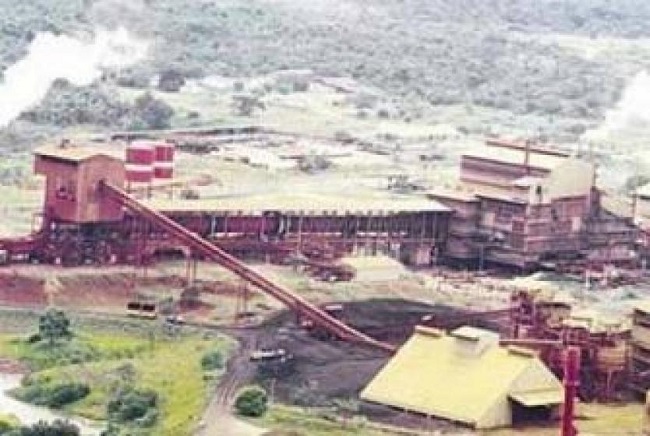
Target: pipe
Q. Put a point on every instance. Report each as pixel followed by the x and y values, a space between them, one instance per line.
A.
pixel 571 384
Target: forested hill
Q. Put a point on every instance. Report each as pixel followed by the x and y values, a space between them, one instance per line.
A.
pixel 497 54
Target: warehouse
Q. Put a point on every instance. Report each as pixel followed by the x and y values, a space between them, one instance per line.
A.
pixel 466 377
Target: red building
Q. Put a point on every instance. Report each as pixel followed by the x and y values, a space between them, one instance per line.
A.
pixel 72 182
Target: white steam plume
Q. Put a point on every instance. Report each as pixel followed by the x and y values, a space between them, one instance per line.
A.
pixel 51 57
pixel 630 116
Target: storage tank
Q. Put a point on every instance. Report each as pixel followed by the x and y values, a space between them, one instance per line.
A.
pixel 139 162
pixel 163 165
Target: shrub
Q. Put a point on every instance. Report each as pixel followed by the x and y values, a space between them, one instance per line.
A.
pixel 251 401
pixel 212 360
pixel 67 393
pixel 5 427
pixel 55 396
pixel 34 338
pixel 131 405
pixel 42 428
pixel 54 325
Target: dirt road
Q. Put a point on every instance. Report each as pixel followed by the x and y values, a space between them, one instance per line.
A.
pixel 219 418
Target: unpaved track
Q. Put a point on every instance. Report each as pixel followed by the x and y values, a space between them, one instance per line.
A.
pixel 218 418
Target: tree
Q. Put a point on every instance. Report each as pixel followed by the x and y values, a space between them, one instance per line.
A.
pixel 252 401
pixel 54 325
pixel 171 81
pixel 153 112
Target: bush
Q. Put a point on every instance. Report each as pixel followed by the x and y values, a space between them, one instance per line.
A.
pixel 212 360
pixel 42 428
pixel 5 427
pixel 251 401
pixel 32 339
pixel 67 393
pixel 54 325
pixel 55 396
pixel 137 406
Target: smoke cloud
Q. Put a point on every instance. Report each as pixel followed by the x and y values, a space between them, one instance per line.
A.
pixel 630 116
pixel 51 57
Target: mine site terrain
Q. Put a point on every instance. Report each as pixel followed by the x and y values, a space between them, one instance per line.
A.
pixel 330 217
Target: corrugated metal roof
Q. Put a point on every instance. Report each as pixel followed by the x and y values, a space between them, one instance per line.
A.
pixel 458 194
pixel 517 157
pixel 78 153
pixel 434 374
pixel 305 202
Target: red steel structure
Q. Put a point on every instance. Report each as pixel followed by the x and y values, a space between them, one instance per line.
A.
pixel 77 228
pixel 571 384
pixel 211 251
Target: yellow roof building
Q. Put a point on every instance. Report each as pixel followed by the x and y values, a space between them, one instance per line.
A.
pixel 465 377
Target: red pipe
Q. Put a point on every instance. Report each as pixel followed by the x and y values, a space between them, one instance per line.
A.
pixel 571 383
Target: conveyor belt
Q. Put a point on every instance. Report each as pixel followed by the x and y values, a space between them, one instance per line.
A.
pixel 211 251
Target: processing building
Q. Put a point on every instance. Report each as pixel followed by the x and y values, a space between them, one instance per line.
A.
pixel 527 207
pixel 516 205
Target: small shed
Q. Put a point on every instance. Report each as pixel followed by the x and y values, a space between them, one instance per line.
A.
pixel 72 177
pixel 467 377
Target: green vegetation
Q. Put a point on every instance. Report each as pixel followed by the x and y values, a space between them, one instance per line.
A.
pixel 283 420
pixel 55 428
pixel 66 105
pixel 251 401
pixel 85 347
pixel 508 53
pixel 135 406
pixel 212 360
pixel 125 374
pixel 8 422
pixel 52 395
pixel 53 326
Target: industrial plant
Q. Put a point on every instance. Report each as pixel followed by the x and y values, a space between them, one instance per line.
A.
pixel 516 208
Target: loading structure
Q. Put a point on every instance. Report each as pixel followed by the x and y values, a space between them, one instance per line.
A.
pixel 78 228
pixel 89 217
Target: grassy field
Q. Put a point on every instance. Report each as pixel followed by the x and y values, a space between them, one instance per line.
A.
pixel 285 420
pixel 171 366
pixel 8 420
